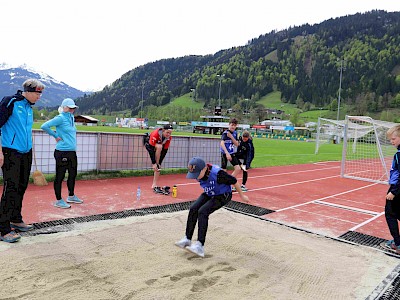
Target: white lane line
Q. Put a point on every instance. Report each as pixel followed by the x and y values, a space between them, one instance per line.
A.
pixel 366 222
pixel 368 212
pixel 325 217
pixel 327 197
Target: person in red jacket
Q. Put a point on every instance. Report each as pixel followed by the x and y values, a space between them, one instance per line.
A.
pixel 157 145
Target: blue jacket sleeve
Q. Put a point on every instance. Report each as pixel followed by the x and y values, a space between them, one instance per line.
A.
pixel 52 123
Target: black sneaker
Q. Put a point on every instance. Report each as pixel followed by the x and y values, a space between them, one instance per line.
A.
pixel 158 190
pixel 166 190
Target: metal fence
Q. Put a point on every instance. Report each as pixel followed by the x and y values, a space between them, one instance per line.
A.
pixel 121 151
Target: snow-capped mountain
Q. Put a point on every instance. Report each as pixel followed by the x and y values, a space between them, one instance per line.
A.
pixel 11 79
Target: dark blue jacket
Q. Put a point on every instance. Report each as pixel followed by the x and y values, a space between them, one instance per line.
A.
pixel 394 179
pixel 246 152
pixel 16 120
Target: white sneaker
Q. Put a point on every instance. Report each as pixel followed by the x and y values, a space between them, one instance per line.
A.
pixel 196 248
pixel 183 243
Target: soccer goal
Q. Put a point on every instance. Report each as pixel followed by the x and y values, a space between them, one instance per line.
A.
pixel 367 153
pixel 328 132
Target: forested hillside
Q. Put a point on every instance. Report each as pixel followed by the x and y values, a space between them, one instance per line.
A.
pixel 301 62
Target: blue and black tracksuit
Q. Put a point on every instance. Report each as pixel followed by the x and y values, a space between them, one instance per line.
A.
pixel 245 152
pixel 65 152
pixel 392 207
pixel 217 193
pixel 16 119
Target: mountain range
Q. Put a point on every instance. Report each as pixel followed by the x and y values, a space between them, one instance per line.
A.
pixel 358 55
pixel 11 79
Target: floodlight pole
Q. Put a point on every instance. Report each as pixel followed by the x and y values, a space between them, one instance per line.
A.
pixel 340 87
pixel 141 110
pixel 219 90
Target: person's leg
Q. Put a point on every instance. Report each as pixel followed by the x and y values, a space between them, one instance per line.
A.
pixel 224 162
pixel 61 168
pixel 155 179
pixel 391 220
pixel 24 173
pixel 236 165
pixel 193 214
pixel 244 179
pixel 10 194
pixel 206 210
pixel 72 168
pixel 158 153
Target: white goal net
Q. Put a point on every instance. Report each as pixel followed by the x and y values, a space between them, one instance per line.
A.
pixel 367 153
pixel 328 132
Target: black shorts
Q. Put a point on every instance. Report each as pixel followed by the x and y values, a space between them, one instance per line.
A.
pixel 224 161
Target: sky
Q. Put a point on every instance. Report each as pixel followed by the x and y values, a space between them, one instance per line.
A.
pixel 90 44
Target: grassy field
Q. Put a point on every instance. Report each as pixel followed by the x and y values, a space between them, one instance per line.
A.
pixel 269 152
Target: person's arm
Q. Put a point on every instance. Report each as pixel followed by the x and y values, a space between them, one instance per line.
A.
pixel 230 135
pixel 225 178
pixel 5 112
pixel 56 121
pixel 394 188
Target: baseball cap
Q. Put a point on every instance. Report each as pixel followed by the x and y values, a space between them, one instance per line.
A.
pixel 196 164
pixel 69 102
pixel 168 126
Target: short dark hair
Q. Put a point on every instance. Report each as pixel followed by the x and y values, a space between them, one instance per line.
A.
pixel 167 126
pixel 233 121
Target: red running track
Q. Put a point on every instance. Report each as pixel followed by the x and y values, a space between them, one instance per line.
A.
pixel 311 197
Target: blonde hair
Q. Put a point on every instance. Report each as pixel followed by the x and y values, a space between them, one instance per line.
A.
pixel 394 130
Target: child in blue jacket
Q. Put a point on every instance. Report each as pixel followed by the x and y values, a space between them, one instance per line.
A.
pixel 216 184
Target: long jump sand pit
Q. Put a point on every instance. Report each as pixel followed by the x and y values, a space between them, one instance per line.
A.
pixel 135 258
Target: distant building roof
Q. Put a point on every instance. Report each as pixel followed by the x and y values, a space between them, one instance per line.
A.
pixel 81 118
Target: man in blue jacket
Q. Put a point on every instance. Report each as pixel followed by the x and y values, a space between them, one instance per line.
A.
pixel 16 119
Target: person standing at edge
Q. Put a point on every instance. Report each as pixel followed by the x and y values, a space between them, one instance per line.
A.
pixel 157 146
pixel 246 153
pixel 392 206
pixel 16 120
pixel 65 152
pixel 217 193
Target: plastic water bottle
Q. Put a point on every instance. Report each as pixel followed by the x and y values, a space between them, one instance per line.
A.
pixel 138 193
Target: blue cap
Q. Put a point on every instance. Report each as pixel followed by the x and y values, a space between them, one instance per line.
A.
pixel 69 103
pixel 196 164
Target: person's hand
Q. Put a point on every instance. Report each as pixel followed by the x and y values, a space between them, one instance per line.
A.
pixel 58 139
pixel 389 196
pixel 1 159
pixel 245 198
pixel 156 168
pixel 229 157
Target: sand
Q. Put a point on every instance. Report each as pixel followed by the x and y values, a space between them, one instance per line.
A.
pixel 135 258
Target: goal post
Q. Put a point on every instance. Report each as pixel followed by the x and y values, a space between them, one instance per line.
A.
pixel 367 153
pixel 328 132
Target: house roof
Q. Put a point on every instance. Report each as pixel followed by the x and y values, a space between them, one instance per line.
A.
pixel 88 118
